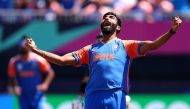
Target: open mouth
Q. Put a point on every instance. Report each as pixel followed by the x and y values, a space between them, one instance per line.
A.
pixel 106 24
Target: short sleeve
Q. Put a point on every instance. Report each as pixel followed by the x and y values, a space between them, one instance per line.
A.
pixel 132 48
pixel 44 66
pixel 82 55
pixel 11 68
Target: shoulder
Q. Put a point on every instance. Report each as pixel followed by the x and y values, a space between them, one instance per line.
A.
pixel 37 57
pixel 87 47
pixel 14 59
pixel 129 41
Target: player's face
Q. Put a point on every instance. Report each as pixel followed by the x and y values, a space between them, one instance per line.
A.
pixel 109 24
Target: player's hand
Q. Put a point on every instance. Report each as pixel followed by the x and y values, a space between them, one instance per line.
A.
pixel 17 90
pixel 176 23
pixel 43 87
pixel 30 44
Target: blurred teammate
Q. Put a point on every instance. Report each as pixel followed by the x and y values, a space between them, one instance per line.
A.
pixel 108 62
pixel 79 104
pixel 25 73
pixel 84 83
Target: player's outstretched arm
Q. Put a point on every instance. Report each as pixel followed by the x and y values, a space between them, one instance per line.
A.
pixel 67 59
pixel 152 45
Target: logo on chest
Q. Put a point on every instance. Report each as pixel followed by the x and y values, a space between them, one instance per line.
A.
pixel 97 57
pixel 115 47
pixel 25 71
pixel 19 67
pixel 26 74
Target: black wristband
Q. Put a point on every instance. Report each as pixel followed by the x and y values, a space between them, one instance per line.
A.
pixel 172 32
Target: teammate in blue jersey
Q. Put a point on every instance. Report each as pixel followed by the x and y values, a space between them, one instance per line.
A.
pixel 25 73
pixel 108 61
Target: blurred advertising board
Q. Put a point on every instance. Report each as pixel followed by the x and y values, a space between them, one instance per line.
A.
pixel 139 101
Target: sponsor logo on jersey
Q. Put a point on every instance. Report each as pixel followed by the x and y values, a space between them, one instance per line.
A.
pixel 103 57
pixel 26 74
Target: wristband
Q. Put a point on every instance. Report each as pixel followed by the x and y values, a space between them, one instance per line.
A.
pixel 172 32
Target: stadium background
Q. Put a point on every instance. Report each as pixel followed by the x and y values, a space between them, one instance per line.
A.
pixel 160 80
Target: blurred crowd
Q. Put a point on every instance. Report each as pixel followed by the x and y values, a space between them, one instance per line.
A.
pixel 149 10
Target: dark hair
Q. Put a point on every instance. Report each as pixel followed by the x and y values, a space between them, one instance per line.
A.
pixel 22 40
pixel 118 19
pixel 24 37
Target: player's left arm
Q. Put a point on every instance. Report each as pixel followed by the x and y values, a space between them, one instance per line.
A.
pixel 45 85
pixel 147 46
pixel 45 67
pixel 12 78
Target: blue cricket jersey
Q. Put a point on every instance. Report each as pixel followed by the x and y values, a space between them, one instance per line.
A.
pixel 108 63
pixel 28 73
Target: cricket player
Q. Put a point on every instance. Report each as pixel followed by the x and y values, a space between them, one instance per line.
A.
pixel 25 73
pixel 108 61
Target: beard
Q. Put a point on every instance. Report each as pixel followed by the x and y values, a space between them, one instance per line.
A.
pixel 108 30
pixel 23 52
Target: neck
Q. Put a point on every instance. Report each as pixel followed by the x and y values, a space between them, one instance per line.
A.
pixel 25 57
pixel 109 37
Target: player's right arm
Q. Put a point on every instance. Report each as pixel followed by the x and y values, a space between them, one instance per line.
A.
pixel 75 58
pixel 66 59
pixel 12 78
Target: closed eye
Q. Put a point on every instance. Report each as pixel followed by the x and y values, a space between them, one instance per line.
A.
pixel 110 16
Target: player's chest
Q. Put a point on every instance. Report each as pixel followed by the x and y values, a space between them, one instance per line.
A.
pixel 109 52
pixel 26 69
